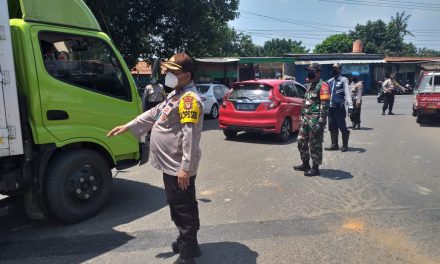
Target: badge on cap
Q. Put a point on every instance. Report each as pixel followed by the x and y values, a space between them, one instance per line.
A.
pixel 189 109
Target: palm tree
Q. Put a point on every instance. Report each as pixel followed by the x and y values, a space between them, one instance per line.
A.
pixel 400 23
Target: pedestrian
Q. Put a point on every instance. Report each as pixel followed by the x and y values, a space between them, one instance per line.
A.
pixel 313 119
pixel 176 128
pixel 356 88
pixel 154 93
pixel 339 99
pixel 389 88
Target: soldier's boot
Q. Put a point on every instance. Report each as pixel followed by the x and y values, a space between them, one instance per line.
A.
pixel 334 134
pixel 305 166
pixel 314 171
pixel 345 138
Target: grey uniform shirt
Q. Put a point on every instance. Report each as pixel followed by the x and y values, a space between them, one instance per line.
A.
pixel 174 145
pixel 356 91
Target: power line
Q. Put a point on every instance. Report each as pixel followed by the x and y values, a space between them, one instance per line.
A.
pixel 383 4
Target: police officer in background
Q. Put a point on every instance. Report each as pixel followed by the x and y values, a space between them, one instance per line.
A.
pixel 313 116
pixel 154 93
pixel 176 128
pixel 389 88
pixel 340 97
pixel 356 88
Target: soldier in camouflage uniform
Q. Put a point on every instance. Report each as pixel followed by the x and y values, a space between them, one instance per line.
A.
pixel 313 116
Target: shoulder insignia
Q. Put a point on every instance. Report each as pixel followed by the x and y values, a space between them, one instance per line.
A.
pixel 189 109
pixel 324 93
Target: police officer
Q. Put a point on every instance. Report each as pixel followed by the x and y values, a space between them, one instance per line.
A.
pixel 356 88
pixel 154 92
pixel 313 116
pixel 176 128
pixel 389 88
pixel 340 97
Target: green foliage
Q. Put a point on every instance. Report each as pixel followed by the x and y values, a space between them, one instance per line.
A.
pixel 280 47
pixel 425 52
pixel 233 44
pixel 338 43
pixel 146 28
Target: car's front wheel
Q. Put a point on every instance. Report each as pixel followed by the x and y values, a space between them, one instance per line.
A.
pixel 285 131
pixel 214 112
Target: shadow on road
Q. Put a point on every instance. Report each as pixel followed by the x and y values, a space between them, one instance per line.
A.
pixel 363 128
pixel 210 124
pixel 430 122
pixel 358 150
pixel 22 238
pixel 222 253
pixel 335 174
pixel 267 139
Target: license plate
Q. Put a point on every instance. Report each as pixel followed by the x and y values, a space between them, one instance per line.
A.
pixel 245 107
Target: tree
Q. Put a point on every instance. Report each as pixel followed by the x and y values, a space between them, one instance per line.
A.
pixel 280 47
pixel 146 28
pixel 338 43
pixel 373 35
pixel 425 52
pixel 235 44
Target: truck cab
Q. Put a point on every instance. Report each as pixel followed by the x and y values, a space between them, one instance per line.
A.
pixel 67 87
pixel 426 100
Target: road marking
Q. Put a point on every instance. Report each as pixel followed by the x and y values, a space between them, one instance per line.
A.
pixel 423 190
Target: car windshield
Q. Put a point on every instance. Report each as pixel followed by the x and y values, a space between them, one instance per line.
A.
pixel 426 85
pixel 250 92
pixel 202 88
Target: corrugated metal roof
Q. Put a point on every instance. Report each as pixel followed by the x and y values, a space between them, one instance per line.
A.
pixel 411 59
pixel 304 62
pixel 217 60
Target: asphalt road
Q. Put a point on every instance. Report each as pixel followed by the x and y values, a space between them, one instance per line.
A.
pixel 377 203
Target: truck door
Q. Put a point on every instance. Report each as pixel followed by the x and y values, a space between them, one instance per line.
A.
pixel 85 89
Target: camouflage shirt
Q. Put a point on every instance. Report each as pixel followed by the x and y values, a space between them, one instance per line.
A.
pixel 316 101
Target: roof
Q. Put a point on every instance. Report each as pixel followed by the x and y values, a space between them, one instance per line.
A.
pixel 323 62
pixel 144 68
pixel 67 13
pixel 411 59
pixel 217 60
pixel 335 56
pixel 266 60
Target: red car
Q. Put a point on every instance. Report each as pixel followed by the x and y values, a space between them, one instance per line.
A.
pixel 264 106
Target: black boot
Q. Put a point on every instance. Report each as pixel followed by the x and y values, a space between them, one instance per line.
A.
pixel 181 260
pixel 345 137
pixel 175 248
pixel 303 167
pixel 314 171
pixel 334 134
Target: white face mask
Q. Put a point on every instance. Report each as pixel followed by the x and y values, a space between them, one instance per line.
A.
pixel 171 80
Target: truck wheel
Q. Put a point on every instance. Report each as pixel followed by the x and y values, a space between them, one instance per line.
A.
pixel 286 129
pixel 229 134
pixel 77 185
pixel 419 118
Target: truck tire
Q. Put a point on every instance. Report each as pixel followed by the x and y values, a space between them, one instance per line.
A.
pixel 77 185
pixel 419 118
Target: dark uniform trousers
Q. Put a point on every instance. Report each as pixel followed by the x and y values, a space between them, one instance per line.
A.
pixel 336 118
pixel 388 102
pixel 184 213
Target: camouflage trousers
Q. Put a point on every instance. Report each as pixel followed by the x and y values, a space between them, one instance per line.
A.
pixel 310 140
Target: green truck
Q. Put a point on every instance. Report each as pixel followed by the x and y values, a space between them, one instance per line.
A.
pixel 64 86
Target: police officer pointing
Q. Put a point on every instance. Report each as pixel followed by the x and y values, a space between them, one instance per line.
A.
pixel 340 96
pixel 176 128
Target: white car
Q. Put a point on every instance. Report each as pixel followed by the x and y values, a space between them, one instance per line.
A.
pixel 212 97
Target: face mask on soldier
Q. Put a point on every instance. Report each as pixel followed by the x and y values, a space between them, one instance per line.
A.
pixel 311 75
pixel 335 72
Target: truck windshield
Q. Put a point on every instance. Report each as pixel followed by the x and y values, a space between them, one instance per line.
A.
pixel 431 83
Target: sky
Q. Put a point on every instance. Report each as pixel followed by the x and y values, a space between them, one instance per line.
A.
pixel 311 21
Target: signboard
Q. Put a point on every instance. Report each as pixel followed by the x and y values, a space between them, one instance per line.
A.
pixel 361 68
